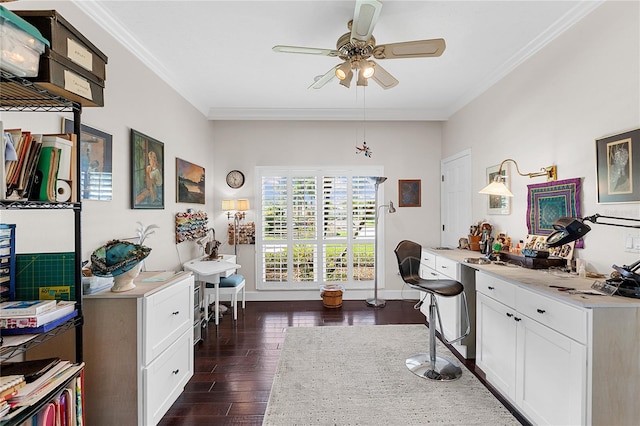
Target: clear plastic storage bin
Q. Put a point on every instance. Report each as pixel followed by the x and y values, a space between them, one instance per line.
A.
pixel 21 45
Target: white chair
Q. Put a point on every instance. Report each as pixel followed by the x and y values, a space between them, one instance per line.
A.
pixel 229 285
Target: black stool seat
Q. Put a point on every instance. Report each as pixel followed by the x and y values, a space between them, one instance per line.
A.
pixel 446 288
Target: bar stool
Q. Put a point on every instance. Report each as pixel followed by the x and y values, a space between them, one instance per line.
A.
pixel 430 365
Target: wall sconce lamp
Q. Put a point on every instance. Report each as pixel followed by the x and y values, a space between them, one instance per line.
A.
pixel 497 187
pixel 241 206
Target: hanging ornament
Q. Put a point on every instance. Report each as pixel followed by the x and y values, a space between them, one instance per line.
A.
pixel 364 149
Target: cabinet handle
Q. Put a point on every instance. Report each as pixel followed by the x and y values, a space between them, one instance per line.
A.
pixel 509 314
pixel 491 288
pixel 443 267
pixel 517 319
pixel 175 313
pixel 176 371
pixel 434 274
pixel 541 311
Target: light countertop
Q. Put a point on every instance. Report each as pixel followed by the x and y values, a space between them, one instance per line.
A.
pixel 540 280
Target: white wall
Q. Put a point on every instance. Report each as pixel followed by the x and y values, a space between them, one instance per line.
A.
pixel 584 85
pixel 134 98
pixel 581 87
pixel 406 150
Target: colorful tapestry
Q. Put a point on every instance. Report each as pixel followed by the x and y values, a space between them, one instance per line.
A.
pixel 550 200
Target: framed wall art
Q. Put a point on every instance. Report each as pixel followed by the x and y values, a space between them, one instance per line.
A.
pixel 189 182
pixel 618 168
pixel 409 191
pixel 498 204
pixel 147 172
pixel 96 157
pixel 551 200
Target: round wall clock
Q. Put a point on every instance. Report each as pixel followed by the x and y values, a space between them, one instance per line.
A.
pixel 235 178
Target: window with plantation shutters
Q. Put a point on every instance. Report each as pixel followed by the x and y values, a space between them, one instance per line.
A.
pixel 315 227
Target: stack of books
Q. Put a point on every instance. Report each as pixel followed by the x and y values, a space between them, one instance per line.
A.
pixel 9 386
pixel 34 316
pixel 37 378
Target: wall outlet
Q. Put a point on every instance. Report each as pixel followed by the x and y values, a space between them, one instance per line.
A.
pixel 632 243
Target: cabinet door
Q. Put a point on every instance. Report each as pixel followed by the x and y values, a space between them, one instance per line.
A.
pixel 496 344
pixel 450 307
pixel 551 375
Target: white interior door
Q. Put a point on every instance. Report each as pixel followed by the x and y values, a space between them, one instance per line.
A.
pixel 455 193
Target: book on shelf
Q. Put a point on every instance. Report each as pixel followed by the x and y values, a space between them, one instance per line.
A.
pixel 31 370
pixel 25 307
pixel 57 375
pixel 40 329
pixel 10 384
pixel 48 171
pixel 62 308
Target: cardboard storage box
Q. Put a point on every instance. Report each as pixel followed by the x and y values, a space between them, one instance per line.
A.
pixel 21 45
pixel 58 78
pixel 74 49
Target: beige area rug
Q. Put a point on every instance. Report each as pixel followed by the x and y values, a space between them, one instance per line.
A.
pixel 356 375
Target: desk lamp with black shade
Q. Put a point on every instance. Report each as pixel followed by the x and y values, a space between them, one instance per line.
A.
pixel 569 229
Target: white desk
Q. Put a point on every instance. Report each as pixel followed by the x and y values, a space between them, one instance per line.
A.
pixel 209 271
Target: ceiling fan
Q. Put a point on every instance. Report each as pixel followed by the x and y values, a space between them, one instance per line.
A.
pixel 356 47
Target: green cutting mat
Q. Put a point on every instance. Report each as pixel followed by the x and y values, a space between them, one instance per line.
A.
pixel 36 271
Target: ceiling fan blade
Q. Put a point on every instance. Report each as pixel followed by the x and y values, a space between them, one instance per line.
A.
pixel 383 78
pixel 410 49
pixel 322 80
pixel 305 50
pixel 365 17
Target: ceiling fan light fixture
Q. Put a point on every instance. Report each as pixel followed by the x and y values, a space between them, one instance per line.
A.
pixel 362 80
pixel 344 70
pixel 347 81
pixel 367 68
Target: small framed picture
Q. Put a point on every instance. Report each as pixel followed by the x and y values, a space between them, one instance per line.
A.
pixel 147 172
pixel 618 168
pixel 497 203
pixel 410 193
pixel 189 182
pixel 96 160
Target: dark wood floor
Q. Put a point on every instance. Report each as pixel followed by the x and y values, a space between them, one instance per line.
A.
pixel 235 363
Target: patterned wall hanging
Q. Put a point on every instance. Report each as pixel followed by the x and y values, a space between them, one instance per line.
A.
pixel 550 200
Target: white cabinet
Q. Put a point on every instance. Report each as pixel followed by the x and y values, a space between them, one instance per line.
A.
pixel 452 312
pixel 138 350
pixel 527 346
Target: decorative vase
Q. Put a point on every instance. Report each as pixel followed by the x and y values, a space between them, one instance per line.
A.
pixel 124 282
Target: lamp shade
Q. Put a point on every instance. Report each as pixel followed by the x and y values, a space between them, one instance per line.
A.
pixel 228 205
pixel 496 188
pixel 343 71
pixel 243 205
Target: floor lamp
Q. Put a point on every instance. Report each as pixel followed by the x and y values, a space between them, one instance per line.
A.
pixel 375 301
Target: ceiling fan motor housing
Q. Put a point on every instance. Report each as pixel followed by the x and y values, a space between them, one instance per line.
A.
pixel 354 51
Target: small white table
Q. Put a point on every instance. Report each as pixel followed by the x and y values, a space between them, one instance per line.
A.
pixel 209 271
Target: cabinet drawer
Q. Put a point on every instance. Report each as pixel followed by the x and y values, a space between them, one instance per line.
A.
pixel 165 377
pixel 447 267
pixel 565 319
pixel 166 315
pixel 428 259
pixel 500 290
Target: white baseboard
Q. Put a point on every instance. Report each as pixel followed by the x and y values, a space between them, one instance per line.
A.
pixel 407 294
